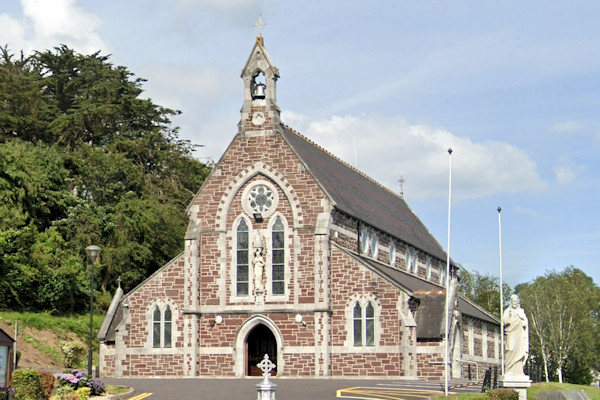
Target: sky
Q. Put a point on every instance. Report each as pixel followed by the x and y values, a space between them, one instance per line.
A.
pixel 512 87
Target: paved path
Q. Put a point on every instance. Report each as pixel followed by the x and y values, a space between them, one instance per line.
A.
pixel 288 389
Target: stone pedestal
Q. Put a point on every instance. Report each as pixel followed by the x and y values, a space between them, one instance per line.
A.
pixel 259 297
pixel 518 383
pixel 266 390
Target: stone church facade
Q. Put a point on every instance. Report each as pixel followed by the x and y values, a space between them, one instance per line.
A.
pixel 292 253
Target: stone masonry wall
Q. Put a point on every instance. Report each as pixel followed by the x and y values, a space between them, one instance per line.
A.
pixel 353 282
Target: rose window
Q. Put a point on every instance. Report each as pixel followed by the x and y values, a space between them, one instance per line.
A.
pixel 260 199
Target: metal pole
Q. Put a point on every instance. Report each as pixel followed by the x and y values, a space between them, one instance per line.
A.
pixel 446 308
pixel 501 291
pixel 89 363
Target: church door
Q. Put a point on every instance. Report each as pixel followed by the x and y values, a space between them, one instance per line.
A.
pixel 260 342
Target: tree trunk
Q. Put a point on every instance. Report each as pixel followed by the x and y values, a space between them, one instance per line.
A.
pixel 559 372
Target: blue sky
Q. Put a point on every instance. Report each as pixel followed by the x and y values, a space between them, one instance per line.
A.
pixel 388 86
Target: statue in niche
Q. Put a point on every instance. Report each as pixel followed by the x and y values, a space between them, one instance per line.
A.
pixel 516 329
pixel 258 268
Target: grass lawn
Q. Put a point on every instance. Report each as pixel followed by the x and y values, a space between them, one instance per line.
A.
pixel 592 391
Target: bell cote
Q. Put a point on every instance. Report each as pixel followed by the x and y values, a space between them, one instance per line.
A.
pixel 260 113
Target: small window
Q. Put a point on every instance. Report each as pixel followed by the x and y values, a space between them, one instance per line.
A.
pixel 392 254
pixel 357 318
pixel 374 244
pixel 370 325
pixel 428 267
pixel 242 250
pixel 442 275
pixel 167 327
pixel 156 327
pixel 162 326
pixel 364 324
pixel 278 257
pixel 364 240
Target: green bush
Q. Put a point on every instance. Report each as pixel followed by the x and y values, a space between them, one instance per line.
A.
pixel 28 386
pixel 62 392
pixel 73 353
pixel 503 394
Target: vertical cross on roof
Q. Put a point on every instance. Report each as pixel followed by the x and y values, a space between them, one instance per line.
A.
pixel 259 24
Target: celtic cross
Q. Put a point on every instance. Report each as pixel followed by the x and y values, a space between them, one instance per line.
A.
pixel 266 366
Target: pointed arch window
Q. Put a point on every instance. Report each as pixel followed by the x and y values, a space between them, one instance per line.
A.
pixel 162 326
pixel 242 250
pixel 167 325
pixel 156 327
pixel 278 257
pixel 364 324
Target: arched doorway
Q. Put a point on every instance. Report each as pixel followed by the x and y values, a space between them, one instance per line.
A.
pixel 260 341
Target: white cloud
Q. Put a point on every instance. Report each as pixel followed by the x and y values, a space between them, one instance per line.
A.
pixel 566 171
pixel 49 23
pixel 568 127
pixel 388 148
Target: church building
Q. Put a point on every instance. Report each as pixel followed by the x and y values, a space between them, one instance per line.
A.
pixel 293 253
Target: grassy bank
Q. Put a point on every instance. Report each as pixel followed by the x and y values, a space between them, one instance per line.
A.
pixel 39 335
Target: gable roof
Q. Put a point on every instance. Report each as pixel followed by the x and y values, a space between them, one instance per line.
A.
pixel 359 196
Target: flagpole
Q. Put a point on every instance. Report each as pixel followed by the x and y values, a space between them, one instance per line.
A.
pixel 501 290
pixel 446 310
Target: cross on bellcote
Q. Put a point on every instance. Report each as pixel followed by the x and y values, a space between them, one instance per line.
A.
pixel 259 24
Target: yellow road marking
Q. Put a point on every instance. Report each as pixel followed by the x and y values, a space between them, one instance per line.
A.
pixel 370 393
pixel 140 396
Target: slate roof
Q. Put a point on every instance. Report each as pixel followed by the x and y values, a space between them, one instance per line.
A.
pixel 431 296
pixel 359 196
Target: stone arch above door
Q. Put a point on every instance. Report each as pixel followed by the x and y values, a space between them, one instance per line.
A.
pixel 242 338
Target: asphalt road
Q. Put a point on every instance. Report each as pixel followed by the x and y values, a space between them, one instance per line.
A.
pixel 288 389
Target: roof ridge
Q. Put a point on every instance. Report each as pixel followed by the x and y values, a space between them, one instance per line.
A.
pixel 292 130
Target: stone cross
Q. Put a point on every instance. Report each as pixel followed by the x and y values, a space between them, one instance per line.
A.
pixel 259 24
pixel 266 366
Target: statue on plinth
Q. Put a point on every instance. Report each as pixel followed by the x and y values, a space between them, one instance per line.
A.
pixel 516 329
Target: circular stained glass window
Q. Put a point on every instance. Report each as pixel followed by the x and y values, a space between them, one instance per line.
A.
pixel 260 198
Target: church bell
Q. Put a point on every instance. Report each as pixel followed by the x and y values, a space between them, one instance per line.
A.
pixel 259 91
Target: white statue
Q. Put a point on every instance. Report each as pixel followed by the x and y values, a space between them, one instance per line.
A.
pixel 258 267
pixel 516 329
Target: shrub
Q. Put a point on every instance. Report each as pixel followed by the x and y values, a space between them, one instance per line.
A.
pixel 27 385
pixel 47 381
pixel 62 392
pixel 78 380
pixel 503 394
pixel 73 353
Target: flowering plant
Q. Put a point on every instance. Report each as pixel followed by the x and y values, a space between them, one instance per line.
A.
pixel 6 391
pixel 77 379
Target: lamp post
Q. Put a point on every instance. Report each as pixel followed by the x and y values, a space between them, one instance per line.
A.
pixel 93 252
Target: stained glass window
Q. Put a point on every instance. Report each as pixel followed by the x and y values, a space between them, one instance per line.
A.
pixel 278 257
pixel 357 318
pixel 242 259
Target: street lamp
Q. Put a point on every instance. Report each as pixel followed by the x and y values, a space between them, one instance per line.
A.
pixel 93 252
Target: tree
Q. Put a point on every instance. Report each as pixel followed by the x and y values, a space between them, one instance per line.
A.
pixel 562 310
pixel 84 159
pixel 483 290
